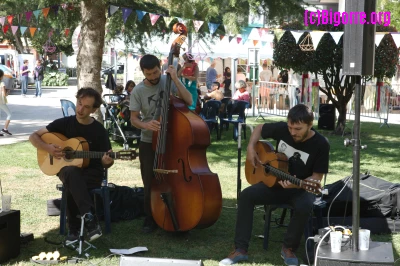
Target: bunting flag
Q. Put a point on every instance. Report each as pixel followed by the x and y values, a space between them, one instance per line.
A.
pixel 66 32
pixel 179 19
pixel 126 13
pixel 316 37
pixel 28 15
pixel 263 32
pixel 396 38
pixel 378 38
pixel 55 8
pixel 255 42
pixel 10 19
pixel 263 43
pixel 23 29
pixel 230 38
pixel 278 34
pixel 213 27
pixel 32 31
pixel 254 35
pixel 245 34
pixel 168 20
pixel 45 11
pixel 221 37
pixel 297 35
pixel 140 14
pixel 14 29
pixel 197 24
pixel 111 10
pixel 2 20
pixel 153 18
pixel 336 35
pixel 238 39
pixel 37 13
pixel 5 28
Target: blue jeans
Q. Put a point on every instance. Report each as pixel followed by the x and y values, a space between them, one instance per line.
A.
pixel 38 85
pixel 24 85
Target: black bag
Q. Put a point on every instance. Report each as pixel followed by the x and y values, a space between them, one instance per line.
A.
pixel 378 198
pixel 126 203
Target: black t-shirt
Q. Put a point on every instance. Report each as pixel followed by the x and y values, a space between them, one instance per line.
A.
pixel 94 133
pixel 304 158
pixel 227 84
pixel 285 76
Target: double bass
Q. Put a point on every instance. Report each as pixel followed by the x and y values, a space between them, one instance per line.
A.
pixel 185 194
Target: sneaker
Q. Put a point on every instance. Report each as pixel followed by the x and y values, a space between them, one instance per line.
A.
pixel 93 229
pixel 289 257
pixel 149 225
pixel 72 237
pixel 1 135
pixel 235 256
pixel 6 131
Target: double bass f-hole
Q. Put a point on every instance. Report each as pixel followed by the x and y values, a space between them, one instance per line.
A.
pixel 184 171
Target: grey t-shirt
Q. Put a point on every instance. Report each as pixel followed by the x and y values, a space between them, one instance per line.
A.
pixel 143 99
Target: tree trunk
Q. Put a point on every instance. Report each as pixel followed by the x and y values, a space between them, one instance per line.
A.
pixel 91 47
pixel 341 123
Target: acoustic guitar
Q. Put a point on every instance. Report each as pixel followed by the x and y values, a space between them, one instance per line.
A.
pixel 275 168
pixel 76 153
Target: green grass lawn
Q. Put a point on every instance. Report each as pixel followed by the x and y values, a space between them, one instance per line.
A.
pixel 30 189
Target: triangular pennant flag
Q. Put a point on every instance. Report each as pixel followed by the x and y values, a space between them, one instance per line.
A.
pixel 32 31
pixel 5 28
pixel 213 27
pixel 10 19
pixel 263 43
pixel 255 42
pixel 45 11
pixel 197 24
pixel 238 39
pixel 37 13
pixel 168 20
pixel 246 33
pixel 66 32
pixel 28 15
pixel 153 18
pixel 179 19
pixel 296 35
pixel 111 10
pixel 14 29
pixel 2 20
pixel 278 34
pixel 55 8
pixel 221 37
pixel 396 38
pixel 316 37
pixel 254 34
pixel 125 13
pixel 23 29
pixel 230 38
pixel 336 35
pixel 140 14
pixel 378 38
pixel 262 32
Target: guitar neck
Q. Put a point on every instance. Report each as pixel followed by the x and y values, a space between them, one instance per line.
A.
pixel 283 176
pixel 90 154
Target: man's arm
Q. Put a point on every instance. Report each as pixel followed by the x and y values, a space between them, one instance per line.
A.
pixel 251 152
pixel 37 142
pixel 183 93
pixel 152 125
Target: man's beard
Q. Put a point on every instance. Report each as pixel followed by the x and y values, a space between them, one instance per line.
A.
pixel 154 82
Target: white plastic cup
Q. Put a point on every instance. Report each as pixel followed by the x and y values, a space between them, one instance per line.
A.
pixel 336 241
pixel 363 239
pixel 6 203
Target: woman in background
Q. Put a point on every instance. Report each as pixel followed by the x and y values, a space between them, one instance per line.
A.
pixel 189 74
pixel 3 105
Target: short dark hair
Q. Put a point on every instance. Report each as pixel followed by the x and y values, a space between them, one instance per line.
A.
pixel 128 83
pixel 149 61
pixel 1 73
pixel 90 92
pixel 216 83
pixel 300 114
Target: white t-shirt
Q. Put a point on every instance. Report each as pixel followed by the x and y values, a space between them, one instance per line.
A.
pixel 266 75
pixel 2 97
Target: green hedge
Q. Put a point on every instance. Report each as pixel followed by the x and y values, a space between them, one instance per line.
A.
pixel 55 79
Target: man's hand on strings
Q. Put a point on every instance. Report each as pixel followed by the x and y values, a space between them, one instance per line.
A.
pixel 56 151
pixel 153 125
pixel 252 157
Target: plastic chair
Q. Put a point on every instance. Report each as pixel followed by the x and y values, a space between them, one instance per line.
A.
pixel 209 113
pixel 103 192
pixel 239 108
pixel 65 105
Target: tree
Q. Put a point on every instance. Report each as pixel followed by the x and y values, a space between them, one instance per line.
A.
pixel 386 58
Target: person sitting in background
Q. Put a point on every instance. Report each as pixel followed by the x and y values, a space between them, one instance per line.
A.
pixel 241 94
pixel 215 94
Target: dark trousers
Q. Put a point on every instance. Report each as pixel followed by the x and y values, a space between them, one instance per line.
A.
pixel 146 158
pixel 77 183
pixel 260 194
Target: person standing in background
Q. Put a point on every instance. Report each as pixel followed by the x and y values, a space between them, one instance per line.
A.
pixel 3 105
pixel 38 75
pixel 265 75
pixel 211 75
pixel 189 74
pixel 24 78
pixel 227 85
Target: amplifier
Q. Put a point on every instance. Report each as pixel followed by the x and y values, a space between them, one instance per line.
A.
pixel 141 261
pixel 379 254
pixel 9 235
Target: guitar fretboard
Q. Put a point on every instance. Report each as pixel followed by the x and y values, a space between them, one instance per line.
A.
pixel 282 175
pixel 89 154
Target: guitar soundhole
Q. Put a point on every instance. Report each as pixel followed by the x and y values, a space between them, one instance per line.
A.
pixel 266 169
pixel 69 155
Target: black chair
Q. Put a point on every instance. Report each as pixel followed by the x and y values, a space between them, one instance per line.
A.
pixel 223 114
pixel 237 108
pixel 66 105
pixel 209 113
pixel 103 192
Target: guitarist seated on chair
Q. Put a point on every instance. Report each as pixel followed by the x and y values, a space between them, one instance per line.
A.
pixel 308 153
pixel 77 181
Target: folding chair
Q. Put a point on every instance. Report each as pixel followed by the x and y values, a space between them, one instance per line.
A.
pixel 65 105
pixel 209 113
pixel 238 107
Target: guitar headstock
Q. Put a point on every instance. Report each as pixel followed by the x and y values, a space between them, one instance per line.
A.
pixel 126 154
pixel 311 185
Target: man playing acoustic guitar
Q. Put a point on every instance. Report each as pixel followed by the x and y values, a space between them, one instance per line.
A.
pixel 300 141
pixel 77 181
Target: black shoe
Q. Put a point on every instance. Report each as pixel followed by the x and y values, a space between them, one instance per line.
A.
pixel 93 229
pixel 149 225
pixel 1 135
pixel 73 236
pixel 6 132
